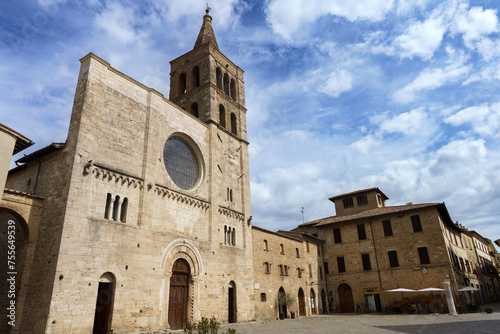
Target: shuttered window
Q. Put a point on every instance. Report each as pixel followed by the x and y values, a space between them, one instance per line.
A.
pixel 387 228
pixel 361 232
pixel 393 259
pixel 341 264
pixel 337 238
pixel 366 262
pixel 423 255
pixel 417 225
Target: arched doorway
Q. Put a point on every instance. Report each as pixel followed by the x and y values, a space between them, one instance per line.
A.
pixel 345 299
pixel 178 297
pixel 282 303
pixel 323 302
pixel 313 302
pixel 14 232
pixel 231 302
pixel 104 304
pixel 302 304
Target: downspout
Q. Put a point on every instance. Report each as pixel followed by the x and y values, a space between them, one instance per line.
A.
pixel 37 176
pixel 376 257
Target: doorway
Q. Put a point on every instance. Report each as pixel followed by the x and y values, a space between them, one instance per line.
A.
pixel 282 303
pixel 302 305
pixel 104 304
pixel 345 299
pixel 178 297
pixel 323 302
pixel 313 302
pixel 231 302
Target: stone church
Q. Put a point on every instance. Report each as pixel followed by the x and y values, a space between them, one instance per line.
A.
pixel 142 217
pixel 141 220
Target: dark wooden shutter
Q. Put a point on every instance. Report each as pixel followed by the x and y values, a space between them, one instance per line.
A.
pixel 337 238
pixel 417 225
pixel 424 255
pixel 387 228
pixel 341 264
pixel 393 258
pixel 366 262
pixel 361 232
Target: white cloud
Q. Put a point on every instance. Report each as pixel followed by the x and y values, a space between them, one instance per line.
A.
pixel 475 23
pixel 338 82
pixel 298 135
pixel 118 23
pixel 288 16
pixel 408 123
pixel 421 38
pixel 366 144
pixel 484 119
pixel 431 79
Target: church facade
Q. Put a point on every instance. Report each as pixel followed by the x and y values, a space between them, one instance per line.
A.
pixel 146 218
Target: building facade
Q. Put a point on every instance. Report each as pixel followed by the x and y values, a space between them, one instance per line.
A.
pixel 371 248
pixel 145 218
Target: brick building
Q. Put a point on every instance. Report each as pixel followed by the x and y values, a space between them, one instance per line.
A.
pixel 371 248
pixel 286 263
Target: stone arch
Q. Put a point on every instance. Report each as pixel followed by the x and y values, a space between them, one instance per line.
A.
pixel 104 303
pixel 234 124
pixel 186 250
pixel 13 225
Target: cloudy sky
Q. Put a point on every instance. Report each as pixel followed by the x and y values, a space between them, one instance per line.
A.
pixel 341 95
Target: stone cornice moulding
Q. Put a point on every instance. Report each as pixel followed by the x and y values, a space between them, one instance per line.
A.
pixel 182 198
pixel 108 174
pixel 231 213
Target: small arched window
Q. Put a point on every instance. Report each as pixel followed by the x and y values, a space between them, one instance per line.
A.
pixel 225 235
pixel 107 209
pixel 182 83
pixel 233 237
pixel 233 89
pixel 196 76
pixel 116 207
pixel 123 212
pixel 226 83
pixel 194 109
pixel 222 116
pixel 218 74
pixel 233 124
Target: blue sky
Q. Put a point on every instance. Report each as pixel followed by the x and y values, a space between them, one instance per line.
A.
pixel 341 95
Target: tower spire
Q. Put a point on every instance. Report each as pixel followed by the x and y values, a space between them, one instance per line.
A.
pixel 206 34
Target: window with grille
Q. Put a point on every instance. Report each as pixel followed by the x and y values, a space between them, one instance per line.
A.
pixel 348 203
pixel 362 200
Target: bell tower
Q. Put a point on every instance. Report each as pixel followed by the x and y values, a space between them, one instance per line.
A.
pixel 208 85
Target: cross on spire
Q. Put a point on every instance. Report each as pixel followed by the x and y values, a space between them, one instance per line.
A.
pixel 208 9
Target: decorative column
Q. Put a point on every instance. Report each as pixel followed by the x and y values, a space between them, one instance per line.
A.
pixel 449 297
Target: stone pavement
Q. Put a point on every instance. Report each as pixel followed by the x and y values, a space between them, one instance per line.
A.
pixel 377 323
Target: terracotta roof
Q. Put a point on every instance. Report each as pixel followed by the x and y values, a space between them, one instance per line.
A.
pixel 378 212
pixel 359 192
pixel 41 152
pixel 206 34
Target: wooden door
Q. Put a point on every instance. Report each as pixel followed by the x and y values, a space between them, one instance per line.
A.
pixel 313 303
pixel 302 306
pixel 345 299
pixel 178 298
pixel 102 315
